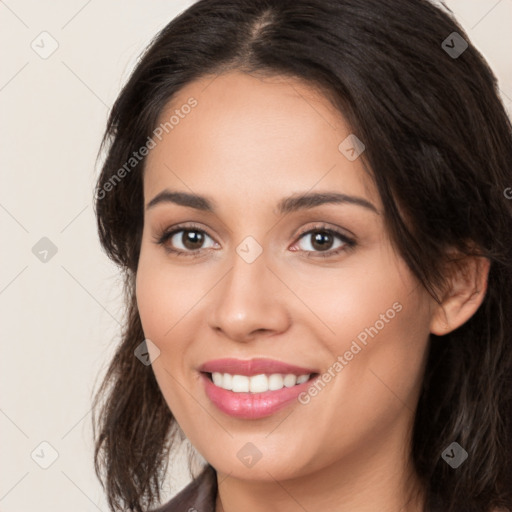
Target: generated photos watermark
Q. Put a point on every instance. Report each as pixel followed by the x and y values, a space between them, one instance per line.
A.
pixel 355 348
pixel 143 151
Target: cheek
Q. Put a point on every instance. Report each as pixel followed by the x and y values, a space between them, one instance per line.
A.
pixel 379 322
pixel 151 300
pixel 374 382
pixel 168 298
pixel 165 294
pixel 383 363
pixel 366 289
pixel 163 302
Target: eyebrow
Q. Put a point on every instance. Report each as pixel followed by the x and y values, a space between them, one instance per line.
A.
pixel 287 205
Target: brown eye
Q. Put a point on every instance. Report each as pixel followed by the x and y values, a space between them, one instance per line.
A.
pixel 185 241
pixel 324 241
pixel 192 239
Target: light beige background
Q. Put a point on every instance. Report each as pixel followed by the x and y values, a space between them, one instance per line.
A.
pixel 60 318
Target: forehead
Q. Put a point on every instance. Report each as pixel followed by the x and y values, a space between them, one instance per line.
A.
pixel 262 137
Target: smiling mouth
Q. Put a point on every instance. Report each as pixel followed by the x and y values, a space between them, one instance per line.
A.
pixel 260 383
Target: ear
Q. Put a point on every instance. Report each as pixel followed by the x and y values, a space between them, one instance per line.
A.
pixel 463 295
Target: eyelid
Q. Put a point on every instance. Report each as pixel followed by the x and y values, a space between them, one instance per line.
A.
pixel 348 241
pixel 323 226
pixel 165 234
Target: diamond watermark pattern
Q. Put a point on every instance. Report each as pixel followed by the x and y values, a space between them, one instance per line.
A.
pixel 351 147
pixel 44 455
pixel 45 45
pixel 249 455
pixel 249 249
pixel 147 352
pixel 454 45
pixel 44 250
pixel 454 455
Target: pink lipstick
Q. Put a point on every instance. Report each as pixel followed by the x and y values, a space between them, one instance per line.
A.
pixel 256 388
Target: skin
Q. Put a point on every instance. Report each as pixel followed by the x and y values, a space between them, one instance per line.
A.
pixel 248 143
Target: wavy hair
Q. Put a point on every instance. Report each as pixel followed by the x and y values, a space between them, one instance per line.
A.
pixel 439 150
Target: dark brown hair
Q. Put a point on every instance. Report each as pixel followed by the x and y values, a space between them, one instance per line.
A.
pixel 439 147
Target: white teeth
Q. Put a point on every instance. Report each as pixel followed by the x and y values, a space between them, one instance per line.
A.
pixel 227 382
pixel 275 381
pixel 290 380
pixel 257 383
pixel 301 379
pixel 240 383
pixel 217 378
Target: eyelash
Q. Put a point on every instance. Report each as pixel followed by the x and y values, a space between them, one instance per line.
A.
pixel 349 243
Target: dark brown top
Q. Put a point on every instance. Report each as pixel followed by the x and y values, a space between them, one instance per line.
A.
pixel 199 495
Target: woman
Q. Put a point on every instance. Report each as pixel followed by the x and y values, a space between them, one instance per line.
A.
pixel 308 201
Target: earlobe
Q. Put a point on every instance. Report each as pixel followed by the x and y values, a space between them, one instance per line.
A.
pixel 465 292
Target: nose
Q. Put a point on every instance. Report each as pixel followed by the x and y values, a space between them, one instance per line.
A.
pixel 249 302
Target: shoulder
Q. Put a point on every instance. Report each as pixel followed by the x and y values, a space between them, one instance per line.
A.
pixel 200 494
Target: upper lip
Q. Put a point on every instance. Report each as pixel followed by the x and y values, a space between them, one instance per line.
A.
pixel 252 367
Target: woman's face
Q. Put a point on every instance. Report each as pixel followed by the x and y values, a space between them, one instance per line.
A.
pixel 268 272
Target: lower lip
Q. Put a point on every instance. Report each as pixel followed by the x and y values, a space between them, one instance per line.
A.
pixel 251 406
